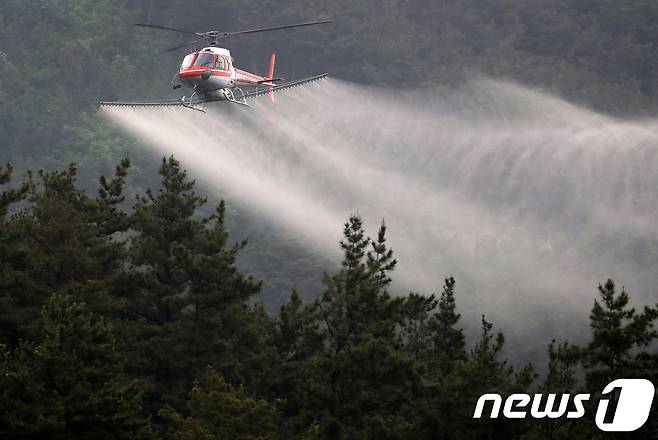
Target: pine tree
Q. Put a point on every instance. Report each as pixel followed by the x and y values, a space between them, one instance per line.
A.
pixel 111 218
pixel 220 411
pixel 415 331
pixel 380 261
pixel 12 257
pixel 356 301
pixel 479 373
pixel 561 379
pixel 621 345
pixel 190 301
pixel 10 196
pixel 295 376
pixel 59 243
pixel 620 337
pixel 364 382
pixel 437 408
pixel 449 344
pixel 72 384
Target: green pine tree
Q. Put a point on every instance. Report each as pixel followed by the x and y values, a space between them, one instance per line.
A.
pixel 190 302
pixel 298 340
pixel 364 383
pixel 10 196
pixel 218 410
pixel 561 378
pixel 71 384
pixel 436 411
pixel 449 343
pixel 481 372
pixel 60 241
pixel 620 339
pixel 415 330
pixel 621 346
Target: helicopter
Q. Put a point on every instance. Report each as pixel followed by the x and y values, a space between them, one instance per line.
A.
pixel 212 75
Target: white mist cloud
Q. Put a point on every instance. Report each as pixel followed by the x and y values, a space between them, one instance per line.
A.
pixel 528 200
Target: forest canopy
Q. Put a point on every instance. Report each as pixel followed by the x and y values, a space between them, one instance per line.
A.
pixel 136 323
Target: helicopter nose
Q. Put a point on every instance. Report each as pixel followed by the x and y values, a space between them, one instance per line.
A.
pixel 206 74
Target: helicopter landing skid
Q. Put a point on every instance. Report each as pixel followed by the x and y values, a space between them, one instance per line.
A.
pixel 191 103
pixel 230 96
pixel 198 106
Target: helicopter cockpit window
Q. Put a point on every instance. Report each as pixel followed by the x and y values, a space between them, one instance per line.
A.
pixel 187 61
pixel 204 59
pixel 221 63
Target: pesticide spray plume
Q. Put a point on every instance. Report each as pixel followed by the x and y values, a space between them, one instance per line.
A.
pixel 528 200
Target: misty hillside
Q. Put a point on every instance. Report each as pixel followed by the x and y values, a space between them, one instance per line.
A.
pixel 59 58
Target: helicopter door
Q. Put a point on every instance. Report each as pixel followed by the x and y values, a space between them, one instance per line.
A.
pixel 230 67
pixel 221 63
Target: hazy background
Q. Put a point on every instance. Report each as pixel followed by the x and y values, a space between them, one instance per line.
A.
pixel 510 143
pixel 528 200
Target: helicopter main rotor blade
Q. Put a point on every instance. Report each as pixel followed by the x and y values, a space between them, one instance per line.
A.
pixel 189 43
pixel 213 36
pixel 276 28
pixel 165 28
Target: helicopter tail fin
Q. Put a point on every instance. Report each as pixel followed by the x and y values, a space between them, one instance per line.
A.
pixel 270 75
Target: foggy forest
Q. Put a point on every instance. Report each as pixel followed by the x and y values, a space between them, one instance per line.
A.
pixel 468 204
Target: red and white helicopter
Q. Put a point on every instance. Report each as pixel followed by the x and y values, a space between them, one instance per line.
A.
pixel 211 74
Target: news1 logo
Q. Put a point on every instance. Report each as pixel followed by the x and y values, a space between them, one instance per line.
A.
pixel 624 406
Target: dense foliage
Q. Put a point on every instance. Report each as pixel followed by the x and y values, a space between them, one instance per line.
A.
pixel 137 324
